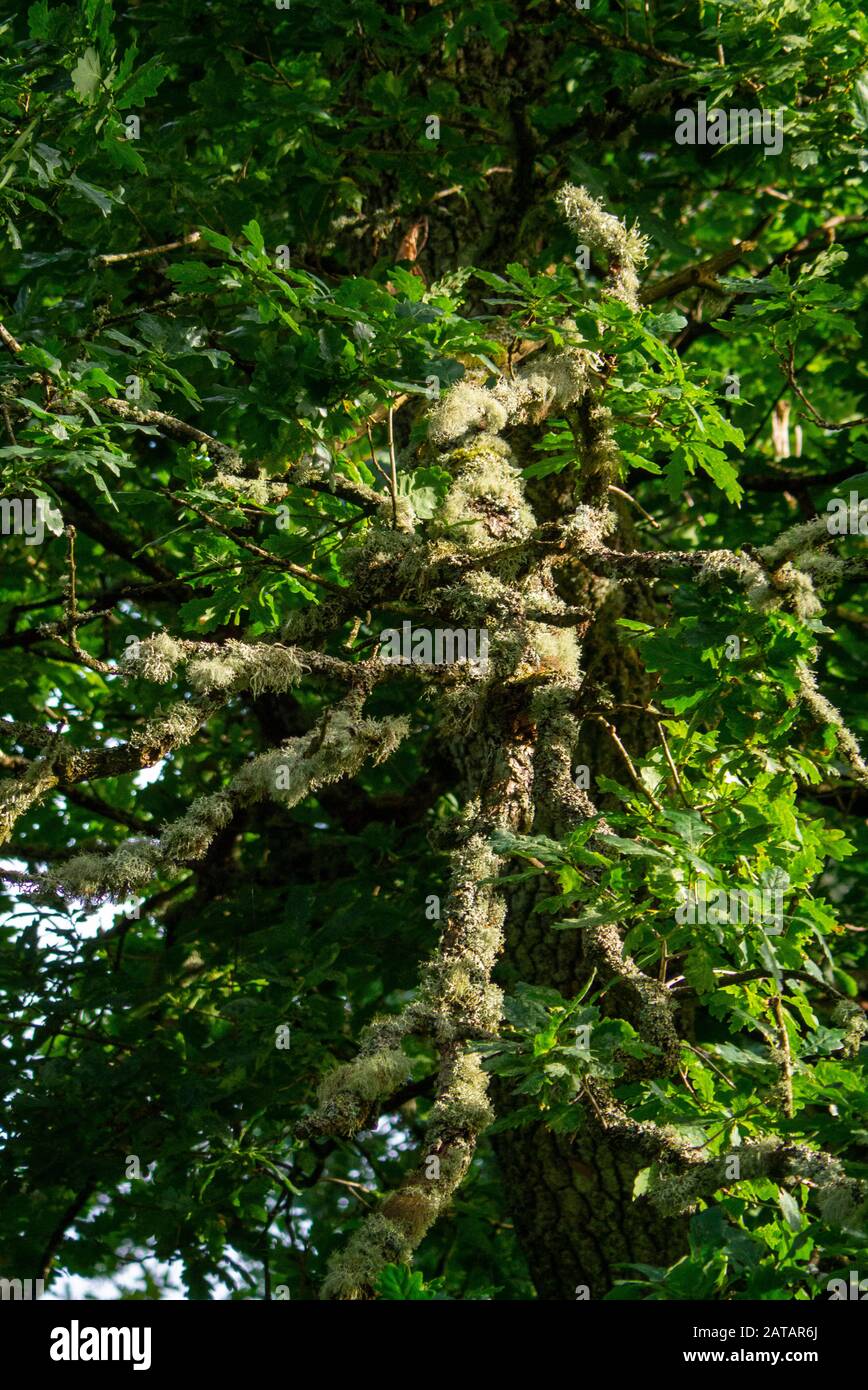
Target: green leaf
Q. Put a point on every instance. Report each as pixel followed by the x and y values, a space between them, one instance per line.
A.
pixel 100 196
pixel 86 75
pixel 143 83
pixel 637 847
pixel 253 233
pixel 400 1282
pixel 699 970
pixel 790 1210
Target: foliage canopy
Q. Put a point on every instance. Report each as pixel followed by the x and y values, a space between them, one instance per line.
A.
pixel 322 319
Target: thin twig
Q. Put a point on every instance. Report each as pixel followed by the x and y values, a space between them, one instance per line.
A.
pixel 393 482
pixel 789 367
pixel 381 472
pixel 634 776
pixel 709 1061
pixel 786 1057
pixel 112 259
pixel 621 493
pixel 679 985
pixel 645 50
pixel 257 550
pixel 8 341
pixel 673 769
pixel 71 618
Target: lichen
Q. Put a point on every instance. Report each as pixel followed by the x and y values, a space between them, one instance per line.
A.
pixel 464 408
pixel 190 836
pixel 485 502
pixel 93 878
pixel 740 570
pixel 218 666
pixel 798 538
pixel 154 658
pixel 826 713
pixel 849 1016
pixel 625 248
pixel 353 1271
pixel 345 741
pixel 173 727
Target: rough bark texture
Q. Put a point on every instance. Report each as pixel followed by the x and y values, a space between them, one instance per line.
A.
pixel 571 1196
pixel 572 1205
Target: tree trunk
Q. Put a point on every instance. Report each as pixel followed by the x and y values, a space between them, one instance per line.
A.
pixel 571 1195
pixel 571 1203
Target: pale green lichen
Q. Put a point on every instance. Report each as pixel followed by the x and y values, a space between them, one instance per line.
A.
pixel 824 567
pixel 173 727
pixel 798 538
pixel 786 576
pixel 398 514
pixel 378 1074
pixel 218 666
pixel 740 570
pixel 626 249
pixel 84 876
pixel 346 740
pixel 155 658
pixel 587 527
pixel 826 713
pixel 458 1116
pixel 256 667
pixel 551 382
pixel 485 502
pixel 682 1178
pixel 93 878
pixel 18 794
pixel 551 648
pixel 263 491
pixel 799 590
pixel 464 408
pixel 354 1271
pixel 345 1095
pixel 464 1107
pixel 456 1001
pixel 190 836
pixel 212 673
pixel 850 1017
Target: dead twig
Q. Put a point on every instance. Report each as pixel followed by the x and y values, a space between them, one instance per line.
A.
pixel 115 257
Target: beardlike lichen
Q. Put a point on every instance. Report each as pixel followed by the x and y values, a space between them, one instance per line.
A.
pixel 626 249
pixel 218 666
pixel 190 836
pixel 825 713
pixel 740 570
pixel 344 740
pixel 18 794
pixel 155 658
pixel 464 408
pixel 798 538
pixel 485 502
pixel 94 878
pixel 457 1001
pixel 338 749
pixel 345 1094
pixel 849 1016
pixel 552 381
pixel 171 728
pixel 354 1271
